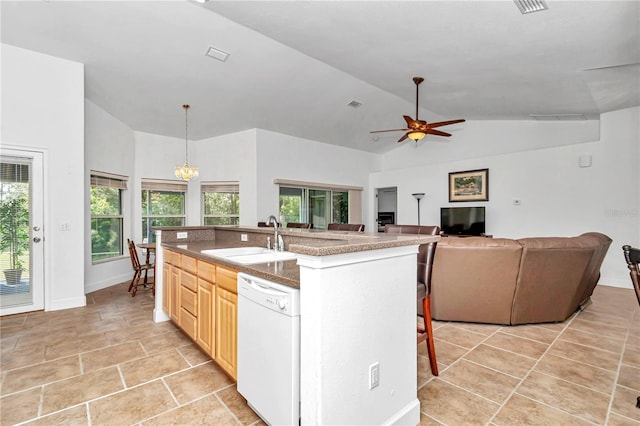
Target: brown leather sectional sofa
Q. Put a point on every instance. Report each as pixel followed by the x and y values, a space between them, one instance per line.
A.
pixel 505 281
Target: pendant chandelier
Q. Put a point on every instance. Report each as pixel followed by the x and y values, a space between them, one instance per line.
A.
pixel 186 172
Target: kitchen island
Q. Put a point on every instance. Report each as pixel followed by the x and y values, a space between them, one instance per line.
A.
pixel 357 304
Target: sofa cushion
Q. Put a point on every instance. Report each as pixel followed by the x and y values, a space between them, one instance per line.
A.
pixel 474 279
pixel 551 271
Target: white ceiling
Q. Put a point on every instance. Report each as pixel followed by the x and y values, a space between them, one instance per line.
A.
pixel 294 66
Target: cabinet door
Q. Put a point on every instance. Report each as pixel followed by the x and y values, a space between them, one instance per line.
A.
pixel 226 330
pixel 166 288
pixel 206 316
pixel 174 297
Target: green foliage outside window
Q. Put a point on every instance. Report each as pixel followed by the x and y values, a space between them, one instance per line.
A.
pixel 161 208
pixel 106 222
pixel 221 208
pixel 290 209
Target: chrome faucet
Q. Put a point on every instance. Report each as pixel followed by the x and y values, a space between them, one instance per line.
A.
pixel 278 245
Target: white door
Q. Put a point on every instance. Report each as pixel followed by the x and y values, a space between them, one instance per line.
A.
pixel 21 231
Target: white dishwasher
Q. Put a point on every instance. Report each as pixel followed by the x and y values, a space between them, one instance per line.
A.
pixel 269 349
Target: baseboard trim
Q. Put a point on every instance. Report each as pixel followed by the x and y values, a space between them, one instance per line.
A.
pixel 72 302
pixel 408 415
pixel 89 288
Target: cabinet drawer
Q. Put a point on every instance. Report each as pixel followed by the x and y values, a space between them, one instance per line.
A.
pixel 207 271
pixel 189 264
pixel 188 323
pixel 227 279
pixel 188 300
pixel 172 258
pixel 189 281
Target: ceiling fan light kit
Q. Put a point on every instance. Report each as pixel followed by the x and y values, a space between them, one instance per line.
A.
pixel 417 129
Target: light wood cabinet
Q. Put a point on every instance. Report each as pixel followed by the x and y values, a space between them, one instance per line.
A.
pixel 227 330
pixel 206 316
pixel 201 298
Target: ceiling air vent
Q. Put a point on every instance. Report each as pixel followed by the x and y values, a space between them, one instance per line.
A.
pixel 354 104
pixel 218 54
pixel 529 6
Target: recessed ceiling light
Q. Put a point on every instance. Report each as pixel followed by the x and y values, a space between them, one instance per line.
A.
pixel 218 54
pixel 558 117
pixel 354 104
pixel 529 6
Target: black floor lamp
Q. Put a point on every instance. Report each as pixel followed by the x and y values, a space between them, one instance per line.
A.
pixel 419 196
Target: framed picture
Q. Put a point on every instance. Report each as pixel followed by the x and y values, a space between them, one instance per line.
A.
pixel 470 185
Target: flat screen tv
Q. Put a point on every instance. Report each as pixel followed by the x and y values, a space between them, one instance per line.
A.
pixel 462 220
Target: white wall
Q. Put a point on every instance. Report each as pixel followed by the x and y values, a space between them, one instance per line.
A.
pixel 287 157
pixel 559 198
pixel 109 147
pixel 43 109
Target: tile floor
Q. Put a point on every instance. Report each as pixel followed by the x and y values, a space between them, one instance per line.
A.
pixel 108 363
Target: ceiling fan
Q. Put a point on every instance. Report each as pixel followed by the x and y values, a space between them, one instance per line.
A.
pixel 418 129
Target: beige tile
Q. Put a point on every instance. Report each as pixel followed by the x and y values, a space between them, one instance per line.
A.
pixel 76 346
pixel 624 403
pixel 103 326
pixel 75 390
pixel 575 399
pixel 480 380
pixel 197 381
pixel 205 411
pixel 111 355
pixel 600 328
pixel 501 360
pixel 44 336
pixel 523 411
pixel 585 354
pixel 593 340
pixel 618 420
pixel 424 370
pixel 631 357
pixel 20 406
pixel 164 341
pixel 607 318
pixel 193 354
pixel 532 332
pixel 629 376
pixel 238 405
pixel 517 345
pixel 633 342
pixel 575 372
pixel 130 334
pixel 428 421
pixel 132 405
pixel 39 374
pixel 458 336
pixel 151 367
pixel 454 406
pixel 71 417
pixel 21 357
pixel 446 353
pixel 484 329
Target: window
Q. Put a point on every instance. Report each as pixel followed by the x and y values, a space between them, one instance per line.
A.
pixel 220 203
pixel 318 204
pixel 163 204
pixel 106 215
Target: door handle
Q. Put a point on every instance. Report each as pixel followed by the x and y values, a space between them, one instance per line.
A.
pixel 37 239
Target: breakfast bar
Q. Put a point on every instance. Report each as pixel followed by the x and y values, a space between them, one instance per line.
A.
pixel 357 309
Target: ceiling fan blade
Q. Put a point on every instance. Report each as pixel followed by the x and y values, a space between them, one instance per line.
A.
pixel 437 132
pixel 392 130
pixel 410 121
pixel 406 135
pixel 445 123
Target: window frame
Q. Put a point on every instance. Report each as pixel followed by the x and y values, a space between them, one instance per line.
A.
pixel 119 182
pixel 223 188
pixel 155 185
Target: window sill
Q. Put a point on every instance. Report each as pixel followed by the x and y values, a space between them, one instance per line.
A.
pixel 109 259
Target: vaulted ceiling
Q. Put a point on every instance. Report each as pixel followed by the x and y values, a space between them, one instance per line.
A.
pixel 293 67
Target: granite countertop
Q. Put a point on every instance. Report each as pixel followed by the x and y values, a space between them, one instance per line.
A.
pixel 284 272
pixel 305 242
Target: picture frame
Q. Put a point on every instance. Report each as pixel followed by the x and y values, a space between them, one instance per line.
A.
pixel 469 185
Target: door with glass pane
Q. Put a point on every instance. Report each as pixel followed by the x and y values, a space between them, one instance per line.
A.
pixel 21 233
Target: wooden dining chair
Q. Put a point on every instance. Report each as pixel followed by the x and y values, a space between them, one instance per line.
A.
pixel 138 280
pixel 298 225
pixel 632 256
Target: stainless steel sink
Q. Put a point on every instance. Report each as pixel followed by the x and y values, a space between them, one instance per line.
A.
pixel 250 255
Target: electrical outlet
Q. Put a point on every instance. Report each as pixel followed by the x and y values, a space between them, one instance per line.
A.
pixel 243 237
pixel 374 375
pixel 181 235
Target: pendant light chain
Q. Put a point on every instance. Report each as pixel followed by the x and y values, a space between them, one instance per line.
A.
pixel 186 172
